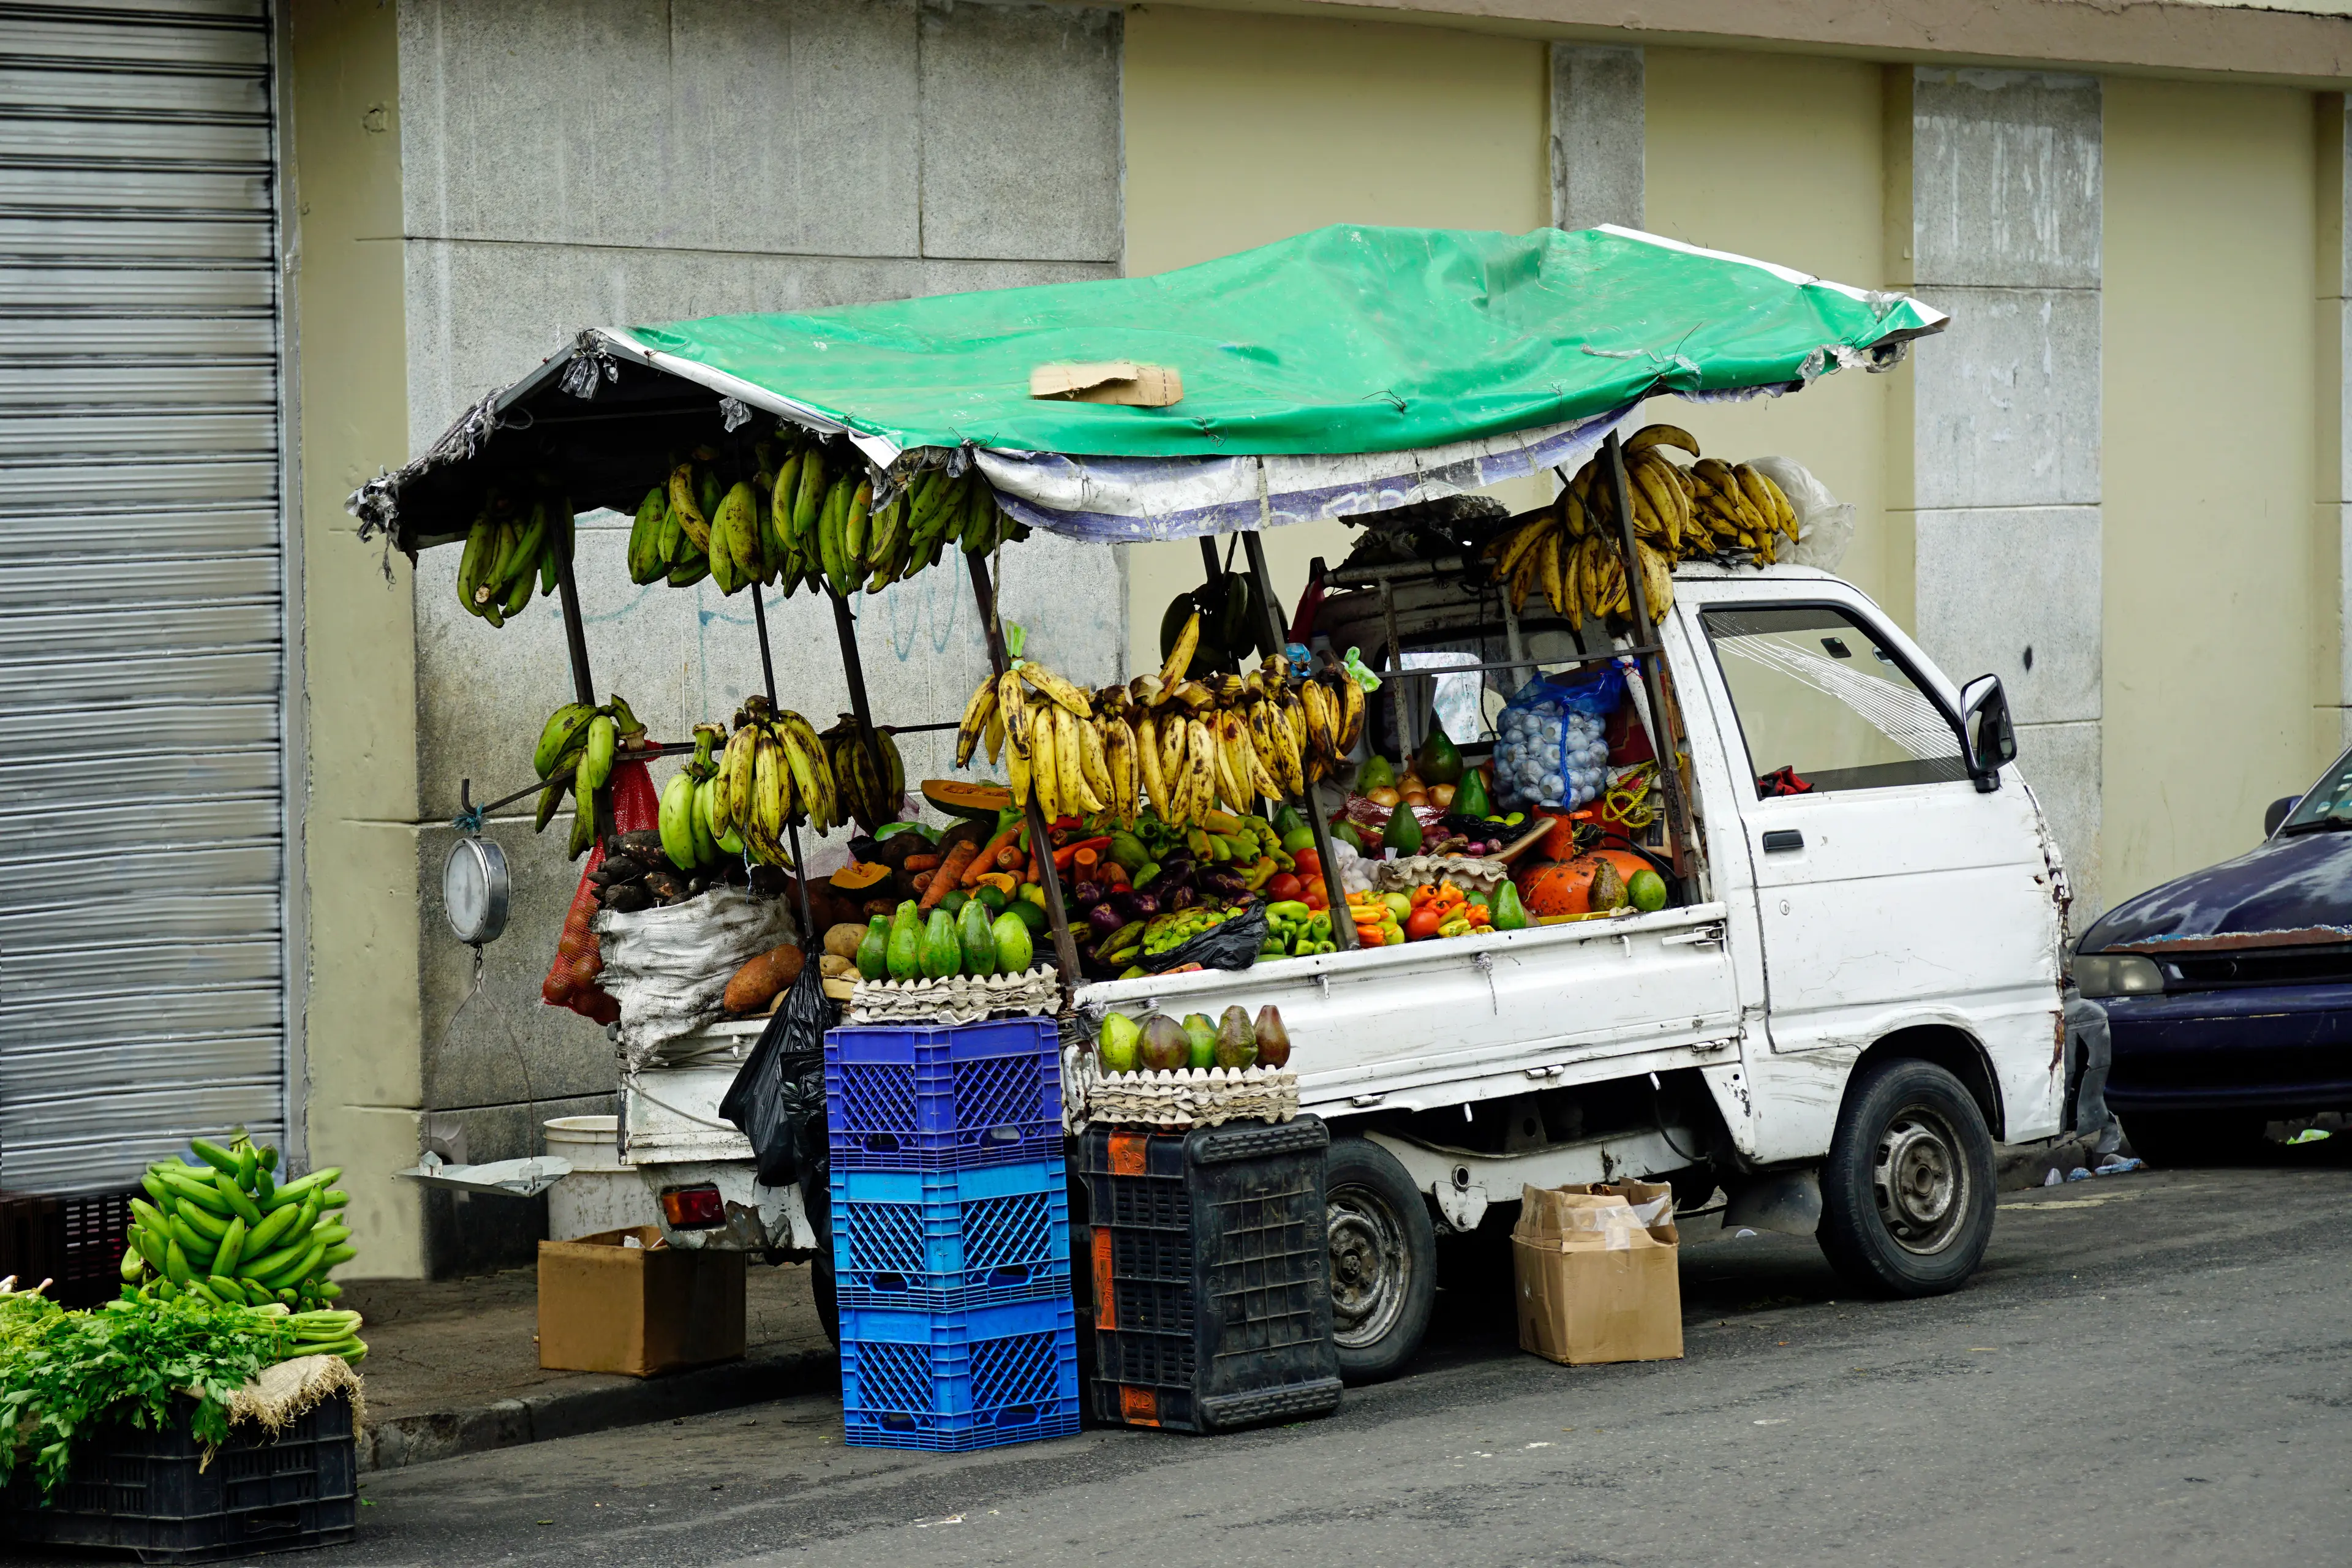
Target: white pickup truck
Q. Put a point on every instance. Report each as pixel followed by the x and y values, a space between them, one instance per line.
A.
pixel 1860 995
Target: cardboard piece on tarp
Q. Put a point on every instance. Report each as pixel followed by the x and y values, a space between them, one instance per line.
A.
pixel 1595 1271
pixel 622 1300
pixel 1119 381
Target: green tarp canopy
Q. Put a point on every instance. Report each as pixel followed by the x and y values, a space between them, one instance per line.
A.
pixel 1347 339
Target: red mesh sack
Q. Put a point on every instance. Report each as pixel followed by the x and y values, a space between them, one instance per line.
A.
pixel 571 979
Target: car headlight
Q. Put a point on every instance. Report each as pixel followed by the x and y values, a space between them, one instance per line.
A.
pixel 2117 974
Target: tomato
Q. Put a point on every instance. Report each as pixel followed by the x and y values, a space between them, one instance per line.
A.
pixel 1283 885
pixel 1309 865
pixel 1423 924
pixel 1314 897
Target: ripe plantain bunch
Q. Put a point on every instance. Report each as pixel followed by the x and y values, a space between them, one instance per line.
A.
pixel 514 542
pixel 1181 744
pixel 1711 510
pixel 806 515
pixel 575 751
pixel 872 801
pixel 774 773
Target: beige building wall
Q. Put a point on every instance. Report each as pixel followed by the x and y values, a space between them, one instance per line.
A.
pixel 361 1020
pixel 1781 157
pixel 1245 130
pixel 2219 683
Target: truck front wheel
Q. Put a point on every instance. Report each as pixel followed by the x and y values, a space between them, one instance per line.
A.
pixel 1383 1260
pixel 1907 1191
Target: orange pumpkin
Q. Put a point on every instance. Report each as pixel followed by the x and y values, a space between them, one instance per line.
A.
pixel 1575 887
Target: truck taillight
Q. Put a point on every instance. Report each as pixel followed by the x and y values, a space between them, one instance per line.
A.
pixel 693 1208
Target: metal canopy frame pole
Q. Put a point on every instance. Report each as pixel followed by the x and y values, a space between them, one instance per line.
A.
pixel 1041 842
pixel 1662 740
pixel 1343 931
pixel 844 625
pixel 575 645
pixel 808 933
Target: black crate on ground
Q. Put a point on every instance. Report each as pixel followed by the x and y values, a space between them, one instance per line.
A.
pixel 151 1494
pixel 76 1242
pixel 1212 1274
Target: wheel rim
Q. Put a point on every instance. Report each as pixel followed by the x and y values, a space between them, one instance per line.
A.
pixel 1920 1179
pixel 1371 1269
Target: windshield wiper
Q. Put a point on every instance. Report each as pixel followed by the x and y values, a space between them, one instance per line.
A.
pixel 2334 822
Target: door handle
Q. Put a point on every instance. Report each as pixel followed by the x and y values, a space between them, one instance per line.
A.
pixel 1782 838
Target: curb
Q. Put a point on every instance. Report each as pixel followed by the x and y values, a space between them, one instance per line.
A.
pixel 594 1403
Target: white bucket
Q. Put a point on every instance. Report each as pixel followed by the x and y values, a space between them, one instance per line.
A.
pixel 602 1193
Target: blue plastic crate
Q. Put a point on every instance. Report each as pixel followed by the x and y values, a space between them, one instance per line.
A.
pixel 935 1098
pixel 976 1378
pixel 938 1239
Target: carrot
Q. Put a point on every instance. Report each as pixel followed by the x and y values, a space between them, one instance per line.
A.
pixel 1011 858
pixel 986 861
pixel 915 863
pixel 1092 847
pixel 949 875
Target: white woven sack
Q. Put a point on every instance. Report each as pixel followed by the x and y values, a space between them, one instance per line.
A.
pixel 668 967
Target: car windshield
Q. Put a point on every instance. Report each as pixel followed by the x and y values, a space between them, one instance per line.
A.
pixel 2327 803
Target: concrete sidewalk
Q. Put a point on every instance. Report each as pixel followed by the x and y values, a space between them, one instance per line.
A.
pixel 453 1366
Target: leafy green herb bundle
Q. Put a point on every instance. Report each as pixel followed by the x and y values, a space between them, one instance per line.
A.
pixel 130 1360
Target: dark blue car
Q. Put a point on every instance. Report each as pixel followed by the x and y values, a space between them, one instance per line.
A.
pixel 2229 991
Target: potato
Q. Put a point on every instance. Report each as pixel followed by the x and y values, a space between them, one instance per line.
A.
pixel 841 940
pixel 833 967
pixel 763 979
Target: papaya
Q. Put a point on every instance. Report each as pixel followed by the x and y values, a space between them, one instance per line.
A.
pixel 874 949
pixel 973 931
pixel 1376 773
pixel 1439 761
pixel 1509 913
pixel 975 802
pixel 905 953
pixel 858 876
pixel 1470 799
pixel 1014 946
pixel 942 951
pixel 1403 831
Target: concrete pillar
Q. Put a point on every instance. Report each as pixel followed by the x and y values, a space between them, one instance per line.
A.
pixel 2334 446
pixel 1596 137
pixel 2005 235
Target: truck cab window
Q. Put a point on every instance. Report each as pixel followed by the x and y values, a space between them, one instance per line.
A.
pixel 1815 717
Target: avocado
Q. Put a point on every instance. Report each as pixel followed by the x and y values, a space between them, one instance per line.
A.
pixel 1403 831
pixel 874 949
pixel 1202 1039
pixel 1439 761
pixel 1509 913
pixel 1376 773
pixel 1163 1048
pixel 1236 1043
pixel 1470 798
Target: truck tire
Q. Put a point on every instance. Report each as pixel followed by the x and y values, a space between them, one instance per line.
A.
pixel 1908 1190
pixel 1383 1260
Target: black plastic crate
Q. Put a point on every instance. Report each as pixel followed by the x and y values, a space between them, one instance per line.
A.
pixel 149 1493
pixel 76 1242
pixel 1212 1274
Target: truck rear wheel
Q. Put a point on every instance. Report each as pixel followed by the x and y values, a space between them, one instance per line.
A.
pixel 1907 1191
pixel 1383 1260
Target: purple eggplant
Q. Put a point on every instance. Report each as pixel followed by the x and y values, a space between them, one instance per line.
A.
pixel 1178 899
pixel 1136 905
pixel 1103 920
pixel 1087 895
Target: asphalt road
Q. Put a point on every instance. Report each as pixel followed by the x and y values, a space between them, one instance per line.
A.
pixel 2151 1369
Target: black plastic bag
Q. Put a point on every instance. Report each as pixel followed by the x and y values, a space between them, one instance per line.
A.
pixel 778 1097
pixel 1231 944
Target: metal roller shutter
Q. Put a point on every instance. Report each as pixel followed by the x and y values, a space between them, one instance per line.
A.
pixel 141 620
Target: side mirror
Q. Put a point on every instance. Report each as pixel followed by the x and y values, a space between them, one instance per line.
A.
pixel 2276 812
pixel 1986 730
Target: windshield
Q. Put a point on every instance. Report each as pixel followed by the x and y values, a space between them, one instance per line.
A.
pixel 2327 803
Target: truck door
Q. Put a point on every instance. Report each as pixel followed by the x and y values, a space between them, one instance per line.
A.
pixel 1890 889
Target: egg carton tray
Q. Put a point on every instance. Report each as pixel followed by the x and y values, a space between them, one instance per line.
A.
pixel 1189 1097
pixel 957 998
pixel 1471 875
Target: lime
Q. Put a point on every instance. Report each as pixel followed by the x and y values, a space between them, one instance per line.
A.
pixel 1647 891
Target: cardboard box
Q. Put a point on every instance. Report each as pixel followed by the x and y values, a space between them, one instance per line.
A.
pixel 1111 381
pixel 621 1300
pixel 1596 1274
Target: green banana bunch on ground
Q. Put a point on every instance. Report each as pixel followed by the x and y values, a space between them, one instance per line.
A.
pixel 806 514
pixel 515 542
pixel 776 773
pixel 870 799
pixel 576 750
pixel 223 1228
